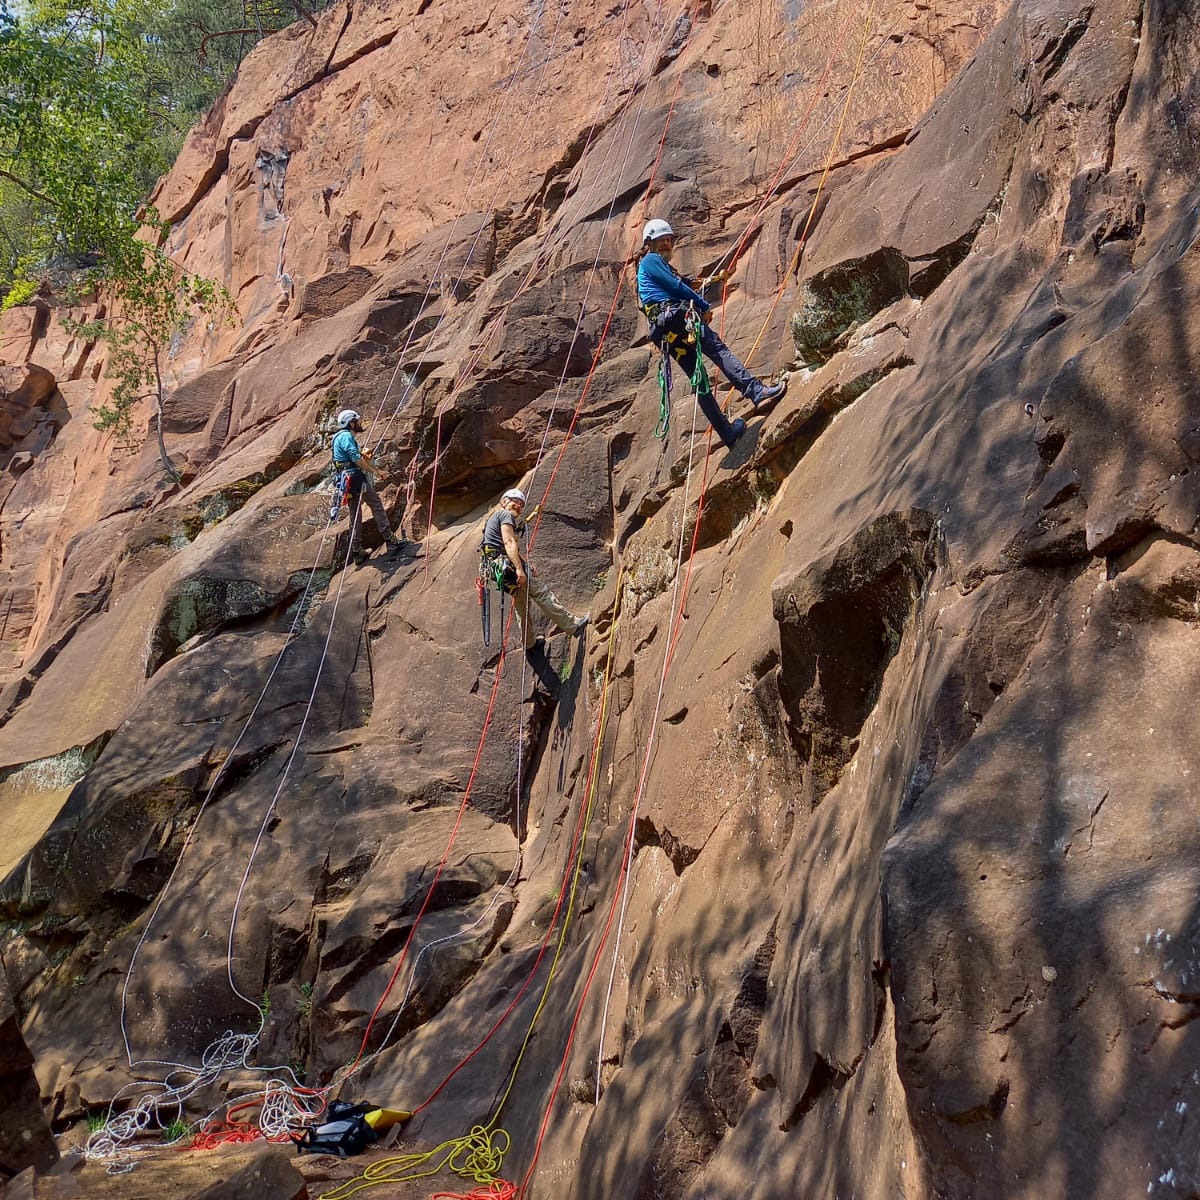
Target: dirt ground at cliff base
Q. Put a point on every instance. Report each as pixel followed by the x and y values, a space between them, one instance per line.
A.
pixel 166 1174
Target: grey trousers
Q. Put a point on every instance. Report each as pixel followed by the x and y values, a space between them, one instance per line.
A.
pixel 362 489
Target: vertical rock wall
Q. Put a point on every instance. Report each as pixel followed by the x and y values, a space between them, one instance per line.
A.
pixel 910 906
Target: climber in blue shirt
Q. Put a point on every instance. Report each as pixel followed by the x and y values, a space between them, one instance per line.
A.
pixel 353 466
pixel 665 296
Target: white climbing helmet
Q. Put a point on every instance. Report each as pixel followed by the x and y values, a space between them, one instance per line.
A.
pixel 346 418
pixel 514 494
pixel 655 229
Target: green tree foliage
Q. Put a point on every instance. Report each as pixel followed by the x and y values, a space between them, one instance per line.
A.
pixel 78 130
pixel 96 97
pixel 155 303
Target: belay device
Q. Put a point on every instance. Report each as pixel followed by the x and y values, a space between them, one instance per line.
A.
pixel 348 1129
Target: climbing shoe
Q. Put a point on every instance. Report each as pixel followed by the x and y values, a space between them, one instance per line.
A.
pixel 360 556
pixel 736 429
pixel 394 546
pixel 770 397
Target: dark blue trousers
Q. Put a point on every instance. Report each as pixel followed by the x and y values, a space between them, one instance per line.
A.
pixel 674 332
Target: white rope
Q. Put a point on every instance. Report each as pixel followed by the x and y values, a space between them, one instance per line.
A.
pixel 217 1058
pixel 514 873
pixel 281 1102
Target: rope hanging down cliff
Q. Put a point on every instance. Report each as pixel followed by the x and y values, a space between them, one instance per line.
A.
pixel 450 1154
pixel 360 1060
pixel 673 646
pixel 294 747
pixel 668 656
pixel 532 538
pixel 234 1050
pixel 479 1155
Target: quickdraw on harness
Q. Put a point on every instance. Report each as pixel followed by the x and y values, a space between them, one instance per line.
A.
pixel 660 315
pixel 348 1129
pixel 495 571
pixel 341 490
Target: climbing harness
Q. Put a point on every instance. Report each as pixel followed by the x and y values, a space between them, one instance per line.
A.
pixel 495 571
pixel 675 342
pixel 348 1129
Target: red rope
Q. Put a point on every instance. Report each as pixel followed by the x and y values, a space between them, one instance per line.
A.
pixel 499 1189
pixel 462 808
pixel 596 748
pixel 676 632
pixel 499 669
pixel 564 888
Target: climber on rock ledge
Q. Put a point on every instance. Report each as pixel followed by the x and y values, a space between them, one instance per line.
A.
pixel 665 297
pixel 348 457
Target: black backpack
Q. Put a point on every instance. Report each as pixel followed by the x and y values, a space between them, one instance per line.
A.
pixel 344 1131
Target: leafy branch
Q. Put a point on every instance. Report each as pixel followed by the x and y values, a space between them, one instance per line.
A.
pixel 154 302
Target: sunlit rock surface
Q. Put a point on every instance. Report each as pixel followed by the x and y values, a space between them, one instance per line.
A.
pixel 912 904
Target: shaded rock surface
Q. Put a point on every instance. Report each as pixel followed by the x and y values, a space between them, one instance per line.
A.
pixel 25 1138
pixel 911 905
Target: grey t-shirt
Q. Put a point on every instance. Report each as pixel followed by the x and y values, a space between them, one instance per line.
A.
pixel 493 538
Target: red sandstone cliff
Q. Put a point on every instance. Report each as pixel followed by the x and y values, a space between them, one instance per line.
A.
pixel 912 910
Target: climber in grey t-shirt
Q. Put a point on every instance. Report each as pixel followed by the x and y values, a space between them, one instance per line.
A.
pixel 501 538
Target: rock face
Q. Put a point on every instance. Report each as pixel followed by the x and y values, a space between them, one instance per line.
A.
pixel 910 908
pixel 25 1138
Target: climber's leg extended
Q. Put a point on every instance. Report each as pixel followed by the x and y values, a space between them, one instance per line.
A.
pixel 361 489
pixel 371 496
pixel 354 492
pixel 761 394
pixel 550 604
pixel 731 366
pixel 728 431
pixel 534 591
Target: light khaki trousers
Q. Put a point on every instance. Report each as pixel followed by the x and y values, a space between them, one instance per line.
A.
pixel 547 601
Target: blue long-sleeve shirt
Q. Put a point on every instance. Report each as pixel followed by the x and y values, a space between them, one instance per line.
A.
pixel 658 284
pixel 345 449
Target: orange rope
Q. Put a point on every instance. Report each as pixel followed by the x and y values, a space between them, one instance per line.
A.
pixel 501 1189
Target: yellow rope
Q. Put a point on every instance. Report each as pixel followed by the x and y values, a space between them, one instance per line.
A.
pixel 579 858
pixel 479 1156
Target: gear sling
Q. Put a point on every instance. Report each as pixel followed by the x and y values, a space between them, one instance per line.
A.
pixel 495 571
pixel 676 329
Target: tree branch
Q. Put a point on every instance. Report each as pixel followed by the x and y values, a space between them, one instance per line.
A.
pixel 27 188
pixel 202 49
pixel 304 12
